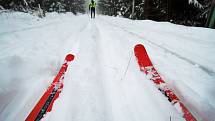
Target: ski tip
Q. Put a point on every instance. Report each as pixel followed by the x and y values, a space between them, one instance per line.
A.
pixel 139 46
pixel 69 57
pixel 142 56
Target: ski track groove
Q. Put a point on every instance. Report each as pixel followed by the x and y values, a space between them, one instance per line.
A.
pixel 58 22
pixel 108 106
pixel 29 28
pixel 92 93
pixel 70 37
pixel 131 111
pixel 205 69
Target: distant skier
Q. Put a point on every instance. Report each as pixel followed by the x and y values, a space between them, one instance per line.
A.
pixel 92 8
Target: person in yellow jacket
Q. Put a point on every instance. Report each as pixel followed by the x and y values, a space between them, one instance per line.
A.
pixel 92 8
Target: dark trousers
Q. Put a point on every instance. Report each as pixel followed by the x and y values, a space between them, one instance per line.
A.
pixel 93 12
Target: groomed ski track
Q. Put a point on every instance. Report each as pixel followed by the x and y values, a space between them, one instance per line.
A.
pixel 104 82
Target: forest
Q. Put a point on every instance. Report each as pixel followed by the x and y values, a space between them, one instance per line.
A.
pixel 185 12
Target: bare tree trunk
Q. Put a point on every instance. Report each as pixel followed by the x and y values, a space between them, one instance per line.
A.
pixel 211 17
pixel 169 9
pixel 133 7
pixel 147 7
pixel 40 11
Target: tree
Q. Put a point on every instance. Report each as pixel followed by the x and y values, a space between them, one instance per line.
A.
pixel 133 8
pixel 46 5
pixel 211 16
pixel 109 7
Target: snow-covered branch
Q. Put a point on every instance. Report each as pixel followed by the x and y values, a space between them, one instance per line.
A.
pixel 196 3
pixel 1 8
pixel 25 2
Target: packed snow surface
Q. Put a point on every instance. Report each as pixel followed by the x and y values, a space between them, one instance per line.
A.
pixel 104 82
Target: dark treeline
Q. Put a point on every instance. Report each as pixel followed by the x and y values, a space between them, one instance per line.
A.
pixel 75 6
pixel 187 12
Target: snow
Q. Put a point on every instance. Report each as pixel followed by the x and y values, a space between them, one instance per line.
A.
pixel 104 83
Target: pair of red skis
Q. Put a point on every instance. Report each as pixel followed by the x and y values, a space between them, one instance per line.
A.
pixel 46 102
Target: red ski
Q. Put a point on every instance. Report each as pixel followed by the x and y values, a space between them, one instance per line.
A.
pixel 147 67
pixel 46 101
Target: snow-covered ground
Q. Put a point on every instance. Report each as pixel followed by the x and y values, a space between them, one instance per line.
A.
pixel 104 83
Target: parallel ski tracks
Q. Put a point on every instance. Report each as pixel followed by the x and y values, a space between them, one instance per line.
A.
pixel 28 28
pixel 205 69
